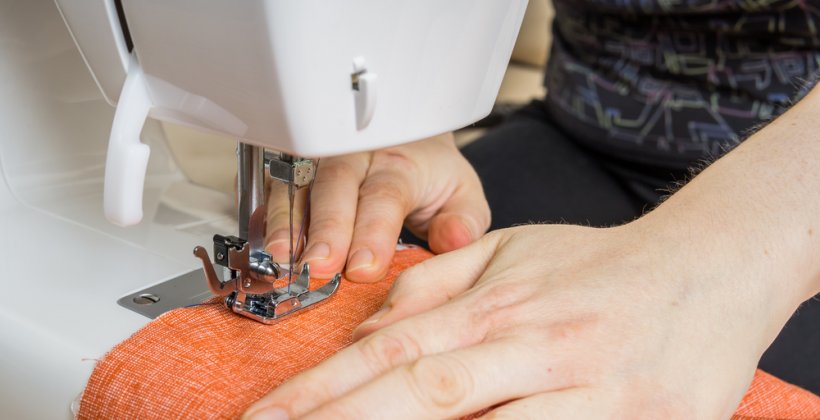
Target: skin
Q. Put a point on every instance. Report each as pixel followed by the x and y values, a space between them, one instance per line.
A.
pixel 360 201
pixel 664 317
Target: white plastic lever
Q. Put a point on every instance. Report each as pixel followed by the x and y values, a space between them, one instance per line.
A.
pixel 127 158
pixel 365 93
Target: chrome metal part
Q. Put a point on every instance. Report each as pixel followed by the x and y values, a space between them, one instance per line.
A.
pixel 295 171
pixel 251 291
pixel 280 302
pixel 251 195
pixel 177 292
pixel 244 277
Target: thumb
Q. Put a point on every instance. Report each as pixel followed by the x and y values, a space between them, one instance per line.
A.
pixel 461 220
pixel 432 283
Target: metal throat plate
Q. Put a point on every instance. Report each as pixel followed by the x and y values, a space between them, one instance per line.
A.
pixel 185 290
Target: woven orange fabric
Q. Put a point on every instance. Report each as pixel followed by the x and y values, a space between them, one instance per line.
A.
pixel 771 398
pixel 205 362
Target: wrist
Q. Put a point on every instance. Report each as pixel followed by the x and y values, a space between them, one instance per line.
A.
pixel 750 279
pixel 758 205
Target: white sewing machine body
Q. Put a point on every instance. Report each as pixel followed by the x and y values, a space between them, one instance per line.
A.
pixel 310 78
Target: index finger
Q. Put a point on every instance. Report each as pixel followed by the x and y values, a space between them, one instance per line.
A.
pixel 429 333
pixel 333 202
pixel 278 238
pixel 444 385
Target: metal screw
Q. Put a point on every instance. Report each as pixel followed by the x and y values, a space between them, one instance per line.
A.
pixel 146 299
pixel 219 256
pixel 230 300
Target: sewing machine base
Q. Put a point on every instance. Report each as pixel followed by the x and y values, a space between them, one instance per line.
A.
pixel 185 290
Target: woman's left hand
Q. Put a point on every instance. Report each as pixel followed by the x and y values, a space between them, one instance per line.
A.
pixel 546 322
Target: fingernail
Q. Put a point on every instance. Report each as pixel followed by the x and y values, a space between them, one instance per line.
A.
pixel 272 413
pixel 375 317
pixel 363 258
pixel 320 251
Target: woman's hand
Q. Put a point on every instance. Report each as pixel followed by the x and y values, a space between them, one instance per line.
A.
pixel 360 202
pixel 551 322
pixel 663 317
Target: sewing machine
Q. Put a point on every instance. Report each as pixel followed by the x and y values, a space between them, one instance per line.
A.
pixel 88 90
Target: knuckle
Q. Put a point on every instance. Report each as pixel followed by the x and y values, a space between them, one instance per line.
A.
pixel 278 215
pixel 327 223
pixel 384 189
pixel 385 350
pixel 336 169
pixel 300 399
pixel 439 382
pixel 497 306
pixel 500 295
pixel 409 284
pixel 414 273
pixel 377 230
pixel 394 159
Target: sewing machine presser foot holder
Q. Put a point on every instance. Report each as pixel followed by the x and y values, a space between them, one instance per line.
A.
pixel 250 291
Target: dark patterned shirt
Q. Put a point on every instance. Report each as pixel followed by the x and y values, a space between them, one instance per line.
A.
pixel 667 82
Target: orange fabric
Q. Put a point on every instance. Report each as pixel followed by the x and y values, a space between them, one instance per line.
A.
pixel 771 398
pixel 205 362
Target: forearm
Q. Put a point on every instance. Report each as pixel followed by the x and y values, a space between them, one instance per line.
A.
pixel 754 215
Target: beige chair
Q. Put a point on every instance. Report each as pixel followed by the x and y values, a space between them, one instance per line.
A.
pixel 525 74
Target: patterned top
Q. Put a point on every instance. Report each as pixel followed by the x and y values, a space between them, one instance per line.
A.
pixel 667 82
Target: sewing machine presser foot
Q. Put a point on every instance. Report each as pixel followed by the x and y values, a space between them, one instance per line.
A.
pixel 251 290
pixel 270 307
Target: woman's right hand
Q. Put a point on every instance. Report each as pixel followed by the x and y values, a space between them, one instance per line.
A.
pixel 360 202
